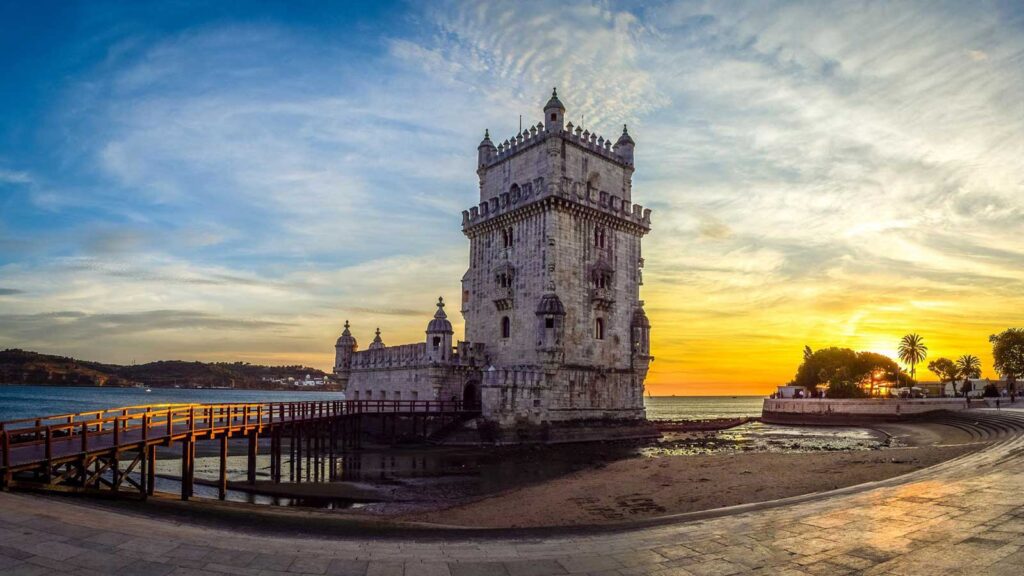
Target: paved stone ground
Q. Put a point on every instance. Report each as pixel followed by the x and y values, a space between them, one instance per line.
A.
pixel 964 516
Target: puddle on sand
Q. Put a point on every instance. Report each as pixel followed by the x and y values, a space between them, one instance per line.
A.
pixel 760 437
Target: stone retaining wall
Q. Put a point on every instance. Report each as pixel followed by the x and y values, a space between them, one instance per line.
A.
pixel 851 411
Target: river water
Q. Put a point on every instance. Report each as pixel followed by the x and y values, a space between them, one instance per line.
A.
pixel 31 401
pixel 429 475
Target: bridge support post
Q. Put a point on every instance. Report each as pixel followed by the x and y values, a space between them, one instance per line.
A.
pixel 143 471
pixel 251 464
pixel 5 446
pixel 187 463
pixel 297 457
pixel 222 480
pixel 150 470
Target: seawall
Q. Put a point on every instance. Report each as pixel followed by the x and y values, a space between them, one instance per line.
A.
pixel 837 412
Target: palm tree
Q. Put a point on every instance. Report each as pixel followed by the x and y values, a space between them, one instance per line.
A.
pixel 969 367
pixel 912 351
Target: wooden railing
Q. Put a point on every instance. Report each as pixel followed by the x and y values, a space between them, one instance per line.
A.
pixel 172 420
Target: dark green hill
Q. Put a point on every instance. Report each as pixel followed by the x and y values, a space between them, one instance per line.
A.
pixel 25 367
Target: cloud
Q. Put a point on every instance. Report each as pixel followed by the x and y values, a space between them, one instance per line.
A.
pixel 10 291
pixel 14 177
pixel 819 173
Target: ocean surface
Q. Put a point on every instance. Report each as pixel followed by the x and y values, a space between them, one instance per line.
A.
pixel 32 401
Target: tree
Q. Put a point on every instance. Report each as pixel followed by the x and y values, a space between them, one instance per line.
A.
pixel 968 366
pixel 1008 355
pixel 912 351
pixel 808 352
pixel 946 370
pixel 847 373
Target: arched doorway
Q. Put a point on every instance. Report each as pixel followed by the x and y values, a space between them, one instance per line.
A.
pixel 471 396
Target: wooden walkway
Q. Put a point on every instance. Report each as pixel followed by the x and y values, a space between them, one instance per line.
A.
pixel 102 450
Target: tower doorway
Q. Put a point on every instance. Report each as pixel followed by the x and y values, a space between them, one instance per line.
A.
pixel 471 396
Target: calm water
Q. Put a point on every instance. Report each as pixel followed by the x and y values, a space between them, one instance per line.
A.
pixel 702 407
pixel 31 401
pixel 410 477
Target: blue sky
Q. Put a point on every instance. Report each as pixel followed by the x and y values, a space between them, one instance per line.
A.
pixel 232 181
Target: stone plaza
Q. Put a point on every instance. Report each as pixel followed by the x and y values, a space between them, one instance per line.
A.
pixel 964 516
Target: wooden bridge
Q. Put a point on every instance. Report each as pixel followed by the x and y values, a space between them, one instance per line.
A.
pixel 101 450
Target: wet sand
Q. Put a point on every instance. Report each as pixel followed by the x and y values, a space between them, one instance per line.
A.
pixel 648 487
pixel 611 483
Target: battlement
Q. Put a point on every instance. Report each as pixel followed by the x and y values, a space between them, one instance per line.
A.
pixel 408 355
pixel 537 134
pixel 531 193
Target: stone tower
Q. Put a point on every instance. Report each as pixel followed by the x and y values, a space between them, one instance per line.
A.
pixel 552 291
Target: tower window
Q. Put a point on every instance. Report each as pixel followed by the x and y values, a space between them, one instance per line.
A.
pixel 549 322
pixel 506 236
pixel 554 116
pixel 506 327
pixel 437 341
pixel 599 237
pixel 599 329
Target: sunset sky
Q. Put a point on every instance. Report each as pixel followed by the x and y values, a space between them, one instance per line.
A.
pixel 231 182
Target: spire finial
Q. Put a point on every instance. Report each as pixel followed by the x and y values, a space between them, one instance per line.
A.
pixel 554 92
pixel 487 133
pixel 346 324
pixel 624 131
pixel 440 308
pixel 378 330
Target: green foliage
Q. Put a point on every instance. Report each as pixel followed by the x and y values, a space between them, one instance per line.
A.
pixel 946 370
pixel 1008 354
pixel 846 389
pixel 845 371
pixel 912 351
pixel 24 367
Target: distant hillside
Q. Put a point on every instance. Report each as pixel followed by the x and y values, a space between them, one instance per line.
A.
pixel 25 367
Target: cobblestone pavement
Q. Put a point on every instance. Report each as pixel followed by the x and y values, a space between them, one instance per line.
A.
pixel 964 516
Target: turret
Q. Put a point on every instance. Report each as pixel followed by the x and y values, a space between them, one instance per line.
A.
pixel 486 151
pixel 550 317
pixel 439 335
pixel 344 348
pixel 624 147
pixel 554 113
pixel 377 343
pixel 640 327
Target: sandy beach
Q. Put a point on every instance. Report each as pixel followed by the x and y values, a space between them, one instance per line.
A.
pixel 695 467
pixel 648 487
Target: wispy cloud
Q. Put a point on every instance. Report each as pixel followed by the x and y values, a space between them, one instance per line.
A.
pixel 821 173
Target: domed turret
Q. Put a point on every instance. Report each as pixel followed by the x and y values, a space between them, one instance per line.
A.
pixel 624 146
pixel 485 151
pixel 550 305
pixel 343 350
pixel 551 318
pixel 640 327
pixel 439 334
pixel 377 343
pixel 554 113
pixel 440 323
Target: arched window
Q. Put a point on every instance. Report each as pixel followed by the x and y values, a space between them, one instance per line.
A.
pixel 554 116
pixel 437 341
pixel 599 328
pixel 506 327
